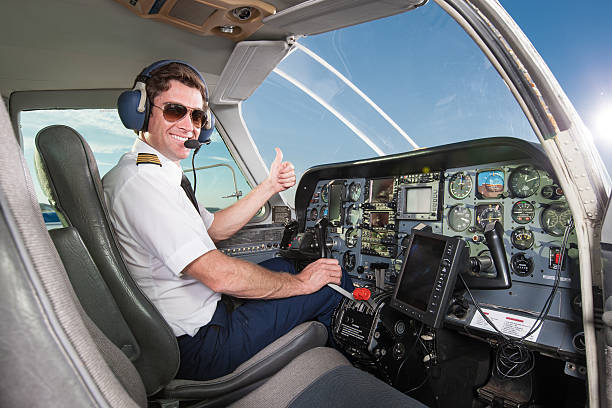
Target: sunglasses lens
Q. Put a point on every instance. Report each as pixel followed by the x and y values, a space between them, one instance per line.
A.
pixel 174 112
pixel 198 117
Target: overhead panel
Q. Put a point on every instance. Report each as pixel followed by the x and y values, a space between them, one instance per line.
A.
pixel 319 16
pixel 232 19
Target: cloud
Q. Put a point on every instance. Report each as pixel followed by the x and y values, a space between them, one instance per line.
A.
pixel 85 121
pixel 106 148
pixel 445 101
pixel 220 158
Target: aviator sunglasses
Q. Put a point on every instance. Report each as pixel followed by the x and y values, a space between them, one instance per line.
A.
pixel 175 111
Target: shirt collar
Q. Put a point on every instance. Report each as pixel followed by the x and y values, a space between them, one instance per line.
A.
pixel 168 165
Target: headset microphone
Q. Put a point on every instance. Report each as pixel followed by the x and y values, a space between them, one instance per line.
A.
pixel 192 144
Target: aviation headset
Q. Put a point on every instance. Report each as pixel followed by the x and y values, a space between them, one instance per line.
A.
pixel 134 106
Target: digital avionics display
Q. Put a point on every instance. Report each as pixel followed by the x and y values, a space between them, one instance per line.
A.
pixel 336 192
pixel 381 190
pixel 418 200
pixel 420 271
pixel 379 219
pixel 428 276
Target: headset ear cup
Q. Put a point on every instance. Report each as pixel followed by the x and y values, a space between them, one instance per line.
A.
pixel 127 107
pixel 207 131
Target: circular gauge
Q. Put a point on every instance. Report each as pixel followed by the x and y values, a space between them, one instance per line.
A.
pixel 489 213
pixel 524 181
pixel 324 193
pixel 548 192
pixel 324 211
pixel 459 218
pixel 460 185
pixel 521 264
pixel 351 237
pixel 523 212
pixel 314 214
pixel 354 192
pixel 554 219
pixel 522 239
pixel 352 215
pixel 348 261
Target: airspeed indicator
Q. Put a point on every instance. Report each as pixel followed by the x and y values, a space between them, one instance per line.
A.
pixel 524 181
pixel 460 185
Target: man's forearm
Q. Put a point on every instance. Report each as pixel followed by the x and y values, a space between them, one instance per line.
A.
pixel 243 279
pixel 231 219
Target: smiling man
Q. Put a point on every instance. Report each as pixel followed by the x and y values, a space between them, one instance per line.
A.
pixel 168 240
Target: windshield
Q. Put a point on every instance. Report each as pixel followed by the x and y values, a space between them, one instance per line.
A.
pixel 409 81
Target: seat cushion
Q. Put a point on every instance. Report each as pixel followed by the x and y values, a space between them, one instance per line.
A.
pixel 262 365
pixel 322 377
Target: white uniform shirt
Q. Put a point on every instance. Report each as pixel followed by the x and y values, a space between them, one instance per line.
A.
pixel 160 233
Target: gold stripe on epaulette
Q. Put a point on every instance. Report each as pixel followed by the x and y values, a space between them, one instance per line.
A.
pixel 147 158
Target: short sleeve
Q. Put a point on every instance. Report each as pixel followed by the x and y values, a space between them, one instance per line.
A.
pixel 207 216
pixel 160 218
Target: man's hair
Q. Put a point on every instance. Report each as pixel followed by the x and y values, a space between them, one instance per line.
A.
pixel 160 78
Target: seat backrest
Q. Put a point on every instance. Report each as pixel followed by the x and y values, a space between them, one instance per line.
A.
pixel 69 175
pixel 52 354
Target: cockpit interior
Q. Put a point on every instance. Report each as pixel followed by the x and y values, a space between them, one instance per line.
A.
pixel 480 258
pixel 416 230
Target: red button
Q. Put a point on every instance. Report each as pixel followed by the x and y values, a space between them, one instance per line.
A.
pixel 361 294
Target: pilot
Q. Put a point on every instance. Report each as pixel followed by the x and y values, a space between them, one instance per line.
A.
pixel 168 240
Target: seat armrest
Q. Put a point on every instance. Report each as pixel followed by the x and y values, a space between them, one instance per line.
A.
pixel 259 367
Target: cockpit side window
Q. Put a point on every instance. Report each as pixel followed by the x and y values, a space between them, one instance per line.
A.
pixel 219 179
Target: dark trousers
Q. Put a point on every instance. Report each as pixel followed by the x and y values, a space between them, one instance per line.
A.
pixel 231 338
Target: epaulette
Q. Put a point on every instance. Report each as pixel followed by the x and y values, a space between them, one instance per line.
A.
pixel 147 158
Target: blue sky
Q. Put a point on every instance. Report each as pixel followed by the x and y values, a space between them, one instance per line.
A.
pixel 574 38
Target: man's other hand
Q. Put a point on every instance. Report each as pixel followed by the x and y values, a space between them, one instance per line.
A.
pixel 282 174
pixel 320 273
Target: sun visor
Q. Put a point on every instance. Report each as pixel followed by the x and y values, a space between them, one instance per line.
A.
pixel 250 63
pixel 319 16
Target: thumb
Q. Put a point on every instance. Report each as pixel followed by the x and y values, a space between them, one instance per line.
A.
pixel 279 157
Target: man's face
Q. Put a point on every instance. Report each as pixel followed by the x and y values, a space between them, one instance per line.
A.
pixel 166 137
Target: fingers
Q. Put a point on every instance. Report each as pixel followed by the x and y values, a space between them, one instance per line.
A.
pixel 286 175
pixel 327 261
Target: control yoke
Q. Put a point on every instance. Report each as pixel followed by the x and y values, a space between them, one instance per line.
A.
pixel 493 233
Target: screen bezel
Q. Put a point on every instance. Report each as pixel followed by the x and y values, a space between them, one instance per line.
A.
pixel 431 315
pixel 374 181
pixel 404 198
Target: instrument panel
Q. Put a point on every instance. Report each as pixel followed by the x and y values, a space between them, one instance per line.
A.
pixel 372 211
pixel 369 217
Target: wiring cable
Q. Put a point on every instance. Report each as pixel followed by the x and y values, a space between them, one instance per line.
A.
pixel 193 170
pixel 408 352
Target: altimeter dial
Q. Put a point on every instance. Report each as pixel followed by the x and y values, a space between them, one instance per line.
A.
pixel 459 218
